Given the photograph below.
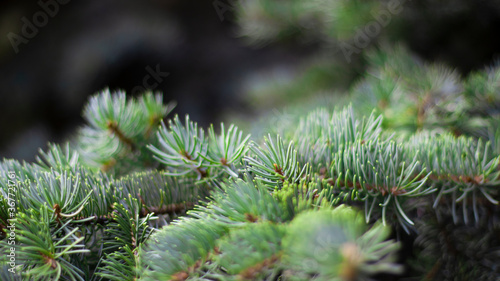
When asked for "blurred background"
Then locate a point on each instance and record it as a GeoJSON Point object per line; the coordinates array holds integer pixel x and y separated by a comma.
{"type": "Point", "coordinates": [215, 58]}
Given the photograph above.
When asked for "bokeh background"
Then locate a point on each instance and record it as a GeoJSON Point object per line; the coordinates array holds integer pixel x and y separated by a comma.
{"type": "Point", "coordinates": [206, 64]}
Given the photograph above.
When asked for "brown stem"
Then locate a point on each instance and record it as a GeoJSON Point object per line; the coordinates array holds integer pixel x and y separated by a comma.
{"type": "Point", "coordinates": [434, 270]}
{"type": "Point", "coordinates": [48, 260]}
{"type": "Point", "coordinates": [57, 212]}
{"type": "Point", "coordinates": [202, 173]}
{"type": "Point", "coordinates": [251, 217]}
{"type": "Point", "coordinates": [251, 272]}
{"type": "Point", "coordinates": [167, 209]}
{"type": "Point", "coordinates": [421, 110]}
{"type": "Point", "coordinates": [113, 128]}
{"type": "Point", "coordinates": [153, 123]}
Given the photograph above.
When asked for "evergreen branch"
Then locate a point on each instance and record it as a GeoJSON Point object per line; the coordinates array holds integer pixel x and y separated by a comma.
{"type": "Point", "coordinates": [102, 194]}
{"type": "Point", "coordinates": [178, 249]}
{"type": "Point", "coordinates": [380, 174]}
{"type": "Point", "coordinates": [43, 250]}
{"type": "Point", "coordinates": [161, 194]}
{"type": "Point", "coordinates": [239, 202]}
{"type": "Point", "coordinates": [14, 172]}
{"type": "Point", "coordinates": [472, 171]}
{"type": "Point", "coordinates": [77, 223]}
{"type": "Point", "coordinates": [119, 265]}
{"type": "Point", "coordinates": [58, 158]}
{"type": "Point", "coordinates": [250, 250]}
{"type": "Point", "coordinates": [119, 130]}
{"type": "Point", "coordinates": [60, 192]}
{"type": "Point", "coordinates": [275, 164]}
{"type": "Point", "coordinates": [226, 150]}
{"type": "Point", "coordinates": [181, 147]}
{"type": "Point", "coordinates": [128, 231]}
{"type": "Point", "coordinates": [127, 227]}
{"type": "Point", "coordinates": [320, 135]}
{"type": "Point", "coordinates": [333, 244]}
{"type": "Point", "coordinates": [112, 114]}
{"type": "Point", "coordinates": [481, 90]}
{"type": "Point", "coordinates": [154, 109]}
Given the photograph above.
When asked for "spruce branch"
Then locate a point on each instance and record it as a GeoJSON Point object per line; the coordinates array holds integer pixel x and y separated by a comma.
{"type": "Point", "coordinates": [181, 147]}
{"type": "Point", "coordinates": [119, 265]}
{"type": "Point", "coordinates": [275, 164]}
{"type": "Point", "coordinates": [119, 130]}
{"type": "Point", "coordinates": [58, 158]}
{"type": "Point", "coordinates": [335, 245]}
{"type": "Point", "coordinates": [102, 194]}
{"type": "Point", "coordinates": [179, 249]}
{"type": "Point", "coordinates": [380, 174]}
{"type": "Point", "coordinates": [249, 252]}
{"type": "Point", "coordinates": [154, 110]}
{"type": "Point", "coordinates": [43, 249]}
{"type": "Point", "coordinates": [322, 134]}
{"type": "Point", "coordinates": [14, 172]}
{"type": "Point", "coordinates": [242, 201]}
{"type": "Point", "coordinates": [63, 193]}
{"type": "Point", "coordinates": [127, 232]}
{"type": "Point", "coordinates": [127, 227]}
{"type": "Point", "coordinates": [164, 195]}
{"type": "Point", "coordinates": [231, 210]}
{"type": "Point", "coordinates": [226, 150]}
{"type": "Point", "coordinates": [461, 167]}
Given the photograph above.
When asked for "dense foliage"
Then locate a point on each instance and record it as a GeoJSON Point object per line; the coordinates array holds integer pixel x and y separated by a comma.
{"type": "Point", "coordinates": [398, 178]}
{"type": "Point", "coordinates": [402, 183]}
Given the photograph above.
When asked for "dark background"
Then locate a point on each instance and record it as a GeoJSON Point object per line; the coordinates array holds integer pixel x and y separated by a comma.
{"type": "Point", "coordinates": [89, 45]}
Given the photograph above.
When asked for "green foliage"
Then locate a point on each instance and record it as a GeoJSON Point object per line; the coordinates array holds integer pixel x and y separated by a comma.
{"type": "Point", "coordinates": [119, 265]}
{"type": "Point", "coordinates": [481, 89]}
{"type": "Point", "coordinates": [62, 193]}
{"type": "Point", "coordinates": [225, 151]}
{"type": "Point", "coordinates": [45, 244]}
{"type": "Point", "coordinates": [184, 149]}
{"type": "Point", "coordinates": [118, 131]}
{"type": "Point", "coordinates": [247, 250]}
{"type": "Point", "coordinates": [335, 245]}
{"type": "Point", "coordinates": [177, 249]}
{"type": "Point", "coordinates": [321, 134]}
{"type": "Point", "coordinates": [128, 232]}
{"type": "Point", "coordinates": [462, 167]}
{"type": "Point", "coordinates": [269, 20]}
{"type": "Point", "coordinates": [59, 158]}
{"type": "Point", "coordinates": [411, 163]}
{"type": "Point", "coordinates": [275, 164]}
{"type": "Point", "coordinates": [238, 202]}
{"type": "Point", "coordinates": [380, 175]}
